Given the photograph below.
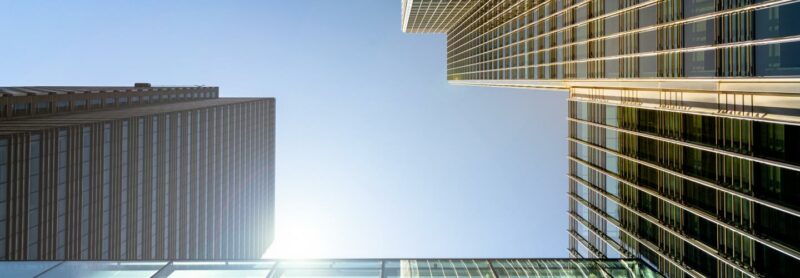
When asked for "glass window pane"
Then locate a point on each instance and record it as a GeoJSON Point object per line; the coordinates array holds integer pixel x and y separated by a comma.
{"type": "Point", "coordinates": [700, 63]}
{"type": "Point", "coordinates": [780, 21]}
{"type": "Point", "coordinates": [777, 59]}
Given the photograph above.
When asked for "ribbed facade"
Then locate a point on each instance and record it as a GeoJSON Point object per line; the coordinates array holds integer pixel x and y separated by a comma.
{"type": "Point", "coordinates": [684, 121]}
{"type": "Point", "coordinates": [169, 179]}
{"type": "Point", "coordinates": [692, 194]}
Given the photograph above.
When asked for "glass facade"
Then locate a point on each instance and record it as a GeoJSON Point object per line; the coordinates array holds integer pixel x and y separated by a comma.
{"type": "Point", "coordinates": [378, 268]}
{"type": "Point", "coordinates": [110, 184]}
{"type": "Point", "coordinates": [684, 119]}
{"type": "Point", "coordinates": [677, 175]}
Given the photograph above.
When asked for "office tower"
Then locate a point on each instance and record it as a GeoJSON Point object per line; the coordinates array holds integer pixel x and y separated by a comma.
{"type": "Point", "coordinates": [683, 118]}
{"type": "Point", "coordinates": [134, 173]}
{"type": "Point", "coordinates": [378, 268]}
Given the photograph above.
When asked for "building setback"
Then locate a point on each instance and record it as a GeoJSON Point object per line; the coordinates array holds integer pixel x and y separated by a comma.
{"type": "Point", "coordinates": [135, 173]}
{"type": "Point", "coordinates": [684, 119]}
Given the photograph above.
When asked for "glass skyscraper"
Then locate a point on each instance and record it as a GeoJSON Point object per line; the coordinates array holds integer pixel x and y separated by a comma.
{"type": "Point", "coordinates": [134, 173]}
{"type": "Point", "coordinates": [377, 268]}
{"type": "Point", "coordinates": [684, 119]}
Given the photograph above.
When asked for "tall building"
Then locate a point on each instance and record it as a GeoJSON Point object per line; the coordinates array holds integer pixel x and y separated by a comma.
{"type": "Point", "coordinates": [377, 268]}
{"type": "Point", "coordinates": [684, 119]}
{"type": "Point", "coordinates": [135, 173]}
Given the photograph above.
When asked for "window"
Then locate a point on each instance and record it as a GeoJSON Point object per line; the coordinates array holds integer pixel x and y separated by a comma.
{"type": "Point", "coordinates": [777, 59]}
{"type": "Point", "coordinates": [21, 109]}
{"type": "Point", "coordinates": [61, 193]}
{"type": "Point", "coordinates": [648, 16]}
{"type": "Point", "coordinates": [106, 187]}
{"type": "Point", "coordinates": [33, 195]}
{"type": "Point", "coordinates": [43, 107]}
{"type": "Point", "coordinates": [154, 185]}
{"type": "Point", "coordinates": [140, 142]}
{"type": "Point", "coordinates": [700, 63]}
{"type": "Point", "coordinates": [612, 209]}
{"type": "Point", "coordinates": [123, 222]}
{"type": "Point", "coordinates": [86, 151]}
{"type": "Point", "coordinates": [611, 24]}
{"type": "Point", "coordinates": [62, 106]}
{"type": "Point", "coordinates": [777, 184]}
{"type": "Point", "coordinates": [610, 6]}
{"type": "Point", "coordinates": [648, 66]}
{"type": "Point", "coordinates": [3, 197]}
{"type": "Point", "coordinates": [79, 104]}
{"type": "Point", "coordinates": [699, 33]}
{"type": "Point", "coordinates": [779, 21]}
{"type": "Point", "coordinates": [693, 8]}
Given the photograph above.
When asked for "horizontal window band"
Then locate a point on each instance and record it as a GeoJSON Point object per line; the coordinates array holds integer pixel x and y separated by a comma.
{"type": "Point", "coordinates": [769, 41]}
{"type": "Point", "coordinates": [693, 145]}
{"type": "Point", "coordinates": [618, 34]}
{"type": "Point", "coordinates": [766, 119]}
{"type": "Point", "coordinates": [635, 236]}
{"type": "Point", "coordinates": [693, 179]}
{"type": "Point", "coordinates": [766, 242]}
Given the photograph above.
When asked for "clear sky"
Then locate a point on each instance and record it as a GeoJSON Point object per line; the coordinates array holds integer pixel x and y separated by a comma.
{"type": "Point", "coordinates": [377, 156]}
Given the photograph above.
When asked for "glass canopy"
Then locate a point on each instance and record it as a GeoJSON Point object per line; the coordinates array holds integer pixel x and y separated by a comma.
{"type": "Point", "coordinates": [341, 268]}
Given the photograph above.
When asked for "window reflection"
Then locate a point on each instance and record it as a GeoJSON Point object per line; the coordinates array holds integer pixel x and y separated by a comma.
{"type": "Point", "coordinates": [777, 59]}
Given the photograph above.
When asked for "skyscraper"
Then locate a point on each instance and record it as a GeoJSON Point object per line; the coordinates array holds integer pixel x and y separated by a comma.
{"type": "Point", "coordinates": [684, 119]}
{"type": "Point", "coordinates": [134, 173]}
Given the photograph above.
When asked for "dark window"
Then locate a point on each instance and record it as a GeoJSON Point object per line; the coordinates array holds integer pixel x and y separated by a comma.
{"type": "Point", "coordinates": [699, 33]}
{"type": "Point", "coordinates": [80, 104]}
{"type": "Point", "coordinates": [33, 196]}
{"type": "Point", "coordinates": [701, 197]}
{"type": "Point", "coordinates": [777, 185]}
{"type": "Point", "coordinates": [43, 107]}
{"type": "Point", "coordinates": [62, 105]}
{"type": "Point", "coordinates": [772, 263]}
{"type": "Point", "coordinates": [780, 21]}
{"type": "Point", "coordinates": [21, 109]}
{"type": "Point", "coordinates": [770, 141]}
{"type": "Point", "coordinates": [700, 63]}
{"type": "Point", "coordinates": [777, 59]}
{"type": "Point", "coordinates": [699, 260]}
{"type": "Point", "coordinates": [700, 229]}
{"type": "Point", "coordinates": [3, 196]}
{"type": "Point", "coordinates": [693, 8]}
{"type": "Point", "coordinates": [777, 225]}
{"type": "Point", "coordinates": [699, 129]}
{"type": "Point", "coordinates": [700, 164]}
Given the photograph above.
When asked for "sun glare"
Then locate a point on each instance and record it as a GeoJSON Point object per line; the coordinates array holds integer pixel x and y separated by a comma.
{"type": "Point", "coordinates": [295, 240]}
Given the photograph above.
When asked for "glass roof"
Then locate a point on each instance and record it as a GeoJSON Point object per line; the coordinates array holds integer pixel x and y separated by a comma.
{"type": "Point", "coordinates": [342, 268]}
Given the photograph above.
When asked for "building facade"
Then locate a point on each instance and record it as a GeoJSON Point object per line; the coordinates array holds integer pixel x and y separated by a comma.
{"type": "Point", "coordinates": [684, 119]}
{"type": "Point", "coordinates": [377, 268]}
{"type": "Point", "coordinates": [134, 173]}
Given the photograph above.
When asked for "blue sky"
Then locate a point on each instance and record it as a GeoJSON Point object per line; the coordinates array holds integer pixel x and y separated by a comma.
{"type": "Point", "coordinates": [377, 156]}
